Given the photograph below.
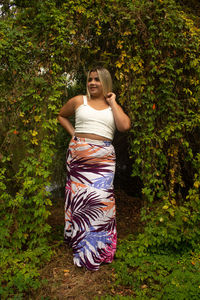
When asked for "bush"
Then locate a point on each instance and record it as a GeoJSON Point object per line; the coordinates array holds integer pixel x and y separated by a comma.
{"type": "Point", "coordinates": [152, 51]}
{"type": "Point", "coordinates": [158, 275]}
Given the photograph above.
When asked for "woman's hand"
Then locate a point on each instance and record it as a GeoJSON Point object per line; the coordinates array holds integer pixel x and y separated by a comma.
{"type": "Point", "coordinates": [111, 99]}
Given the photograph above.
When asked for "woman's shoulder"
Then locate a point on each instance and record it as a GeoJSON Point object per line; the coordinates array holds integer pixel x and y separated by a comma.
{"type": "Point", "coordinates": [77, 100]}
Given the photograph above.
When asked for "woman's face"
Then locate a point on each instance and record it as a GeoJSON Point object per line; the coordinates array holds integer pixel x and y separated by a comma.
{"type": "Point", "coordinates": [95, 87]}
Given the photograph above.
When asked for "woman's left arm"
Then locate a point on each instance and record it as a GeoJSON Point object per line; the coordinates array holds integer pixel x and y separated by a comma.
{"type": "Point", "coordinates": [122, 121]}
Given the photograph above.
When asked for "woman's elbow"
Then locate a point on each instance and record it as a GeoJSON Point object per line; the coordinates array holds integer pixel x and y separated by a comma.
{"type": "Point", "coordinates": [125, 126]}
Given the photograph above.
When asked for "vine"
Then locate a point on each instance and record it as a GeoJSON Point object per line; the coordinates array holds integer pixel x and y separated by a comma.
{"type": "Point", "coordinates": [152, 51]}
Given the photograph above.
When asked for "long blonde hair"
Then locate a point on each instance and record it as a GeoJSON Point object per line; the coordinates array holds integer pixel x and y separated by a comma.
{"type": "Point", "coordinates": [105, 79]}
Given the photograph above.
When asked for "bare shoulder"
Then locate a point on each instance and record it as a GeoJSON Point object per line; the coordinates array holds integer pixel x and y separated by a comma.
{"type": "Point", "coordinates": [77, 101]}
{"type": "Point", "coordinates": [71, 105]}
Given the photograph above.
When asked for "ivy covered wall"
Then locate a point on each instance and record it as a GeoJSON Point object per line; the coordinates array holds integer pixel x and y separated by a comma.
{"type": "Point", "coordinates": [152, 51]}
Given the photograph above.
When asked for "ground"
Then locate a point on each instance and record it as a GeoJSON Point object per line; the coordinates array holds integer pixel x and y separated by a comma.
{"type": "Point", "coordinates": [66, 281]}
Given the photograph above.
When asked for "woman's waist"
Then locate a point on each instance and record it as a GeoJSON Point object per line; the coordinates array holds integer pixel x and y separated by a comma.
{"type": "Point", "coordinates": [92, 136]}
{"type": "Point", "coordinates": [93, 140]}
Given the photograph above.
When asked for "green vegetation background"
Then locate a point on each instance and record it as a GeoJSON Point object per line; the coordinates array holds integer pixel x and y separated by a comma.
{"type": "Point", "coordinates": [152, 51]}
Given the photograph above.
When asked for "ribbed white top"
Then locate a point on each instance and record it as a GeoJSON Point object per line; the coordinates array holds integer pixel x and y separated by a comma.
{"type": "Point", "coordinates": [91, 120]}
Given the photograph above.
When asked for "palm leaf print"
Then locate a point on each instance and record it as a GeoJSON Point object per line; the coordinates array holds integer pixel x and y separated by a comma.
{"type": "Point", "coordinates": [84, 209]}
{"type": "Point", "coordinates": [83, 165]}
{"type": "Point", "coordinates": [90, 225]}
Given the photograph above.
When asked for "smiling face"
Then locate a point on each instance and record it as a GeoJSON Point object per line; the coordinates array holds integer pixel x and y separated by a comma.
{"type": "Point", "coordinates": [94, 85]}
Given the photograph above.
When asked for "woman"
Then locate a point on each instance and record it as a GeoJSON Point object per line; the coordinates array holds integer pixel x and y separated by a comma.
{"type": "Point", "coordinates": [90, 225]}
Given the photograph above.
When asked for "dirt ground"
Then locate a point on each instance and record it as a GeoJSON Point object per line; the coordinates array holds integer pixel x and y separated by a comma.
{"type": "Point", "coordinates": [66, 281]}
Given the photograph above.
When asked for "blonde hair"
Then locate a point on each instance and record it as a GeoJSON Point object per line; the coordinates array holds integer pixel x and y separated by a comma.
{"type": "Point", "coordinates": [105, 79]}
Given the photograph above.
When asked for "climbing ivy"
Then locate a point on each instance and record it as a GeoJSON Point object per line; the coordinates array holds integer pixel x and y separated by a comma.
{"type": "Point", "coordinates": [152, 51]}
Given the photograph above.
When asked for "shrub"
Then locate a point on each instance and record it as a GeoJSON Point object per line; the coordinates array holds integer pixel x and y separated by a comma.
{"type": "Point", "coordinates": [152, 51]}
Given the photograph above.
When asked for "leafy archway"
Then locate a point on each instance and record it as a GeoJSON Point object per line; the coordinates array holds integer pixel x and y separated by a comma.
{"type": "Point", "coordinates": [152, 51]}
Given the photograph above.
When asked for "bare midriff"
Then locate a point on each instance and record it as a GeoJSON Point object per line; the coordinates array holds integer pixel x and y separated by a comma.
{"type": "Point", "coordinates": [92, 136]}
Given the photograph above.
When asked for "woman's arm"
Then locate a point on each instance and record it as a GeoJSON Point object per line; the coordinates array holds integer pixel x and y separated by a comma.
{"type": "Point", "coordinates": [122, 121]}
{"type": "Point", "coordinates": [66, 111]}
{"type": "Point", "coordinates": [66, 124]}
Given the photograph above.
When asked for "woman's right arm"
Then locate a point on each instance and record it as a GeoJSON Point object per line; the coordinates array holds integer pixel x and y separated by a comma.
{"type": "Point", "coordinates": [66, 111]}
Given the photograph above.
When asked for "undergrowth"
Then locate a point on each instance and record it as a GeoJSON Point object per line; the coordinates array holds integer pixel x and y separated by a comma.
{"type": "Point", "coordinates": [161, 274]}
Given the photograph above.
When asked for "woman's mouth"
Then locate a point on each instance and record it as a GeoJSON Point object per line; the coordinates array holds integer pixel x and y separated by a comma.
{"type": "Point", "coordinates": [93, 88]}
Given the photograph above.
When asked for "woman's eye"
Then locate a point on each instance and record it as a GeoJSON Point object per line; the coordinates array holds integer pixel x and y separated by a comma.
{"type": "Point", "coordinates": [96, 79]}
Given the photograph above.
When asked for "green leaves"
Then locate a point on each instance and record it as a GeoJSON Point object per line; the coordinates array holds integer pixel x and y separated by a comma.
{"type": "Point", "coordinates": [152, 51]}
{"type": "Point", "coordinates": [152, 275]}
{"type": "Point", "coordinates": [29, 106]}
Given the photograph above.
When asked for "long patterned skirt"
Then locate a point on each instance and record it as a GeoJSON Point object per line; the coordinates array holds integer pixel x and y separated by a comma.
{"type": "Point", "coordinates": [90, 224]}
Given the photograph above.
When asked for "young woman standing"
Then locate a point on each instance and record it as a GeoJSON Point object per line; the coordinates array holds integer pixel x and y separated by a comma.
{"type": "Point", "coordinates": [90, 225]}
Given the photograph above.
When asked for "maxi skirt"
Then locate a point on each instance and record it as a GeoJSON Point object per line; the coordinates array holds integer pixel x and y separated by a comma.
{"type": "Point", "coordinates": [90, 224]}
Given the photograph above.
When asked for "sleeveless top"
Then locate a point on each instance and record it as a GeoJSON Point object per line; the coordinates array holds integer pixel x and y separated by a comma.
{"type": "Point", "coordinates": [91, 120]}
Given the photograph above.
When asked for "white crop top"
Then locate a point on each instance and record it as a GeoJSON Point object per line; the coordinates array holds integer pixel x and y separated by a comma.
{"type": "Point", "coordinates": [91, 120]}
